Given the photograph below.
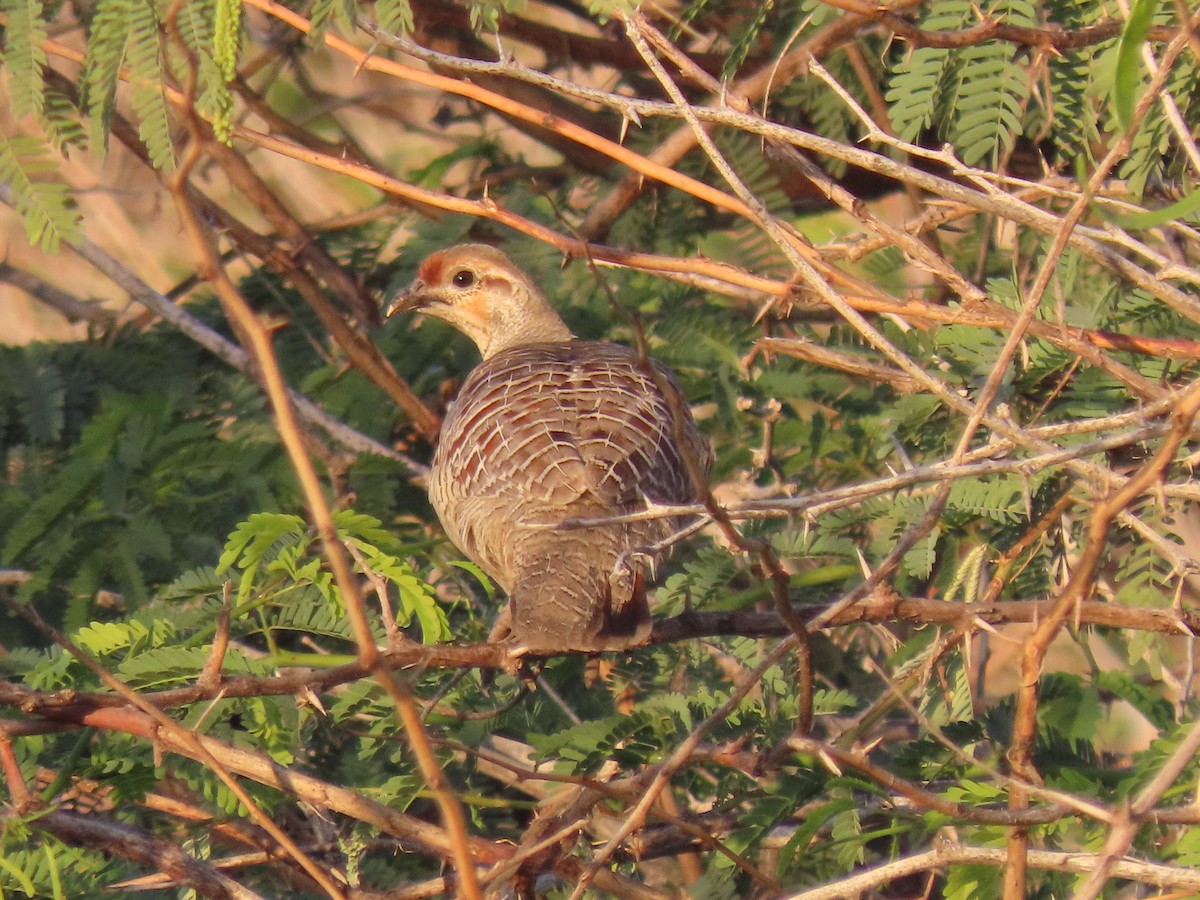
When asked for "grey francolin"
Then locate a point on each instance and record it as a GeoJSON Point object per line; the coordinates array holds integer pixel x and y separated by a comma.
{"type": "Point", "coordinates": [549, 428]}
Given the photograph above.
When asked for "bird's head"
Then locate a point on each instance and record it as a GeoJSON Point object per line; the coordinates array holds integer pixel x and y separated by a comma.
{"type": "Point", "coordinates": [482, 293]}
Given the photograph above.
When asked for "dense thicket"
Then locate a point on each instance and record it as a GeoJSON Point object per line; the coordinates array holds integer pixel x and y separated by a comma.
{"type": "Point", "coordinates": [928, 275]}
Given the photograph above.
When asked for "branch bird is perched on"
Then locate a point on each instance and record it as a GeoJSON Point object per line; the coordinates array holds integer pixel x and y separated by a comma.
{"type": "Point", "coordinates": [546, 429]}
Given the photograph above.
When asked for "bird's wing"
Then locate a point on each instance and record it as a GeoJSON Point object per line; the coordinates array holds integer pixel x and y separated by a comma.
{"type": "Point", "coordinates": [554, 431]}
{"type": "Point", "coordinates": [580, 425]}
{"type": "Point", "coordinates": [626, 431]}
{"type": "Point", "coordinates": [513, 431]}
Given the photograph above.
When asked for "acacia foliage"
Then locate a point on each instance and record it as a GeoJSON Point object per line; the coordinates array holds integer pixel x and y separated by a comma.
{"type": "Point", "coordinates": [932, 297]}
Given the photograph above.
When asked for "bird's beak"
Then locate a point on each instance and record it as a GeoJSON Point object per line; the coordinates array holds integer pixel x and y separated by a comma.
{"type": "Point", "coordinates": [411, 298]}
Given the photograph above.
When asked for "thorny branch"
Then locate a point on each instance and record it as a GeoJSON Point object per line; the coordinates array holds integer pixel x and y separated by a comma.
{"type": "Point", "coordinates": [821, 282]}
{"type": "Point", "coordinates": [258, 340]}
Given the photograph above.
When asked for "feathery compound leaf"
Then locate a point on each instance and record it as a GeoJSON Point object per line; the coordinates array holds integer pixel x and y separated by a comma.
{"type": "Point", "coordinates": [196, 24]}
{"type": "Point", "coordinates": [394, 15]}
{"type": "Point", "coordinates": [914, 89]}
{"type": "Point", "coordinates": [743, 39]}
{"type": "Point", "coordinates": [326, 12]}
{"type": "Point", "coordinates": [44, 206]}
{"type": "Point", "coordinates": [154, 125]}
{"type": "Point", "coordinates": [1071, 105]}
{"type": "Point", "coordinates": [24, 56]}
{"type": "Point", "coordinates": [1154, 155]}
{"type": "Point", "coordinates": [40, 396]}
{"type": "Point", "coordinates": [102, 66]}
{"type": "Point", "coordinates": [918, 83]}
{"type": "Point", "coordinates": [991, 92]}
{"type": "Point", "coordinates": [76, 479]}
{"type": "Point", "coordinates": [1073, 116]}
{"type": "Point", "coordinates": [103, 638]}
{"type": "Point", "coordinates": [252, 539]}
{"type": "Point", "coordinates": [919, 560]}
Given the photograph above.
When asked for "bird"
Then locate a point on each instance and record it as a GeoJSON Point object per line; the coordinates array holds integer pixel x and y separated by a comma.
{"type": "Point", "coordinates": [552, 444]}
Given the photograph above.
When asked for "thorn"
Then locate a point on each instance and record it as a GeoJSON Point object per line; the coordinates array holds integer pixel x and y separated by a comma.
{"type": "Point", "coordinates": [863, 564]}
{"type": "Point", "coordinates": [984, 625]}
{"type": "Point", "coordinates": [366, 57]}
{"type": "Point", "coordinates": [829, 762]}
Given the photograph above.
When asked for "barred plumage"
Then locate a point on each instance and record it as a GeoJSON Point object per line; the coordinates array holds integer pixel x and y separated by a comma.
{"type": "Point", "coordinates": [547, 429]}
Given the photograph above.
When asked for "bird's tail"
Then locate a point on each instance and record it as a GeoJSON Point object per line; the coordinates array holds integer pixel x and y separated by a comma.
{"type": "Point", "coordinates": [556, 609]}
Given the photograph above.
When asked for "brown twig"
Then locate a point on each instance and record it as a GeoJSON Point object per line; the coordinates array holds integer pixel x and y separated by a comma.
{"type": "Point", "coordinates": [1173, 877]}
{"type": "Point", "coordinates": [22, 798]}
{"type": "Point", "coordinates": [70, 306]}
{"type": "Point", "coordinates": [161, 727]}
{"type": "Point", "coordinates": [880, 607]}
{"type": "Point", "coordinates": [990, 29]}
{"type": "Point", "coordinates": [210, 675]}
{"type": "Point", "coordinates": [1025, 724]}
{"type": "Point", "coordinates": [140, 846]}
{"type": "Point", "coordinates": [1121, 833]}
{"type": "Point", "coordinates": [636, 28]}
{"type": "Point", "coordinates": [412, 831]}
{"type": "Point", "coordinates": [676, 760]}
{"type": "Point", "coordinates": [258, 340]}
{"type": "Point", "coordinates": [223, 349]}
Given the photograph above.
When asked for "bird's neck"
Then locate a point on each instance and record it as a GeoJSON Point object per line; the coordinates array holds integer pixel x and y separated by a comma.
{"type": "Point", "coordinates": [536, 323]}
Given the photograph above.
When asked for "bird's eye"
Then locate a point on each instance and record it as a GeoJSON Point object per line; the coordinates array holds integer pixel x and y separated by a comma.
{"type": "Point", "coordinates": [463, 278]}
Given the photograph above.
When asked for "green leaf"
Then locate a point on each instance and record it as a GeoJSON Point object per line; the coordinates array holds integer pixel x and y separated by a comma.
{"type": "Point", "coordinates": [1128, 79]}
{"type": "Point", "coordinates": [991, 90]}
{"type": "Point", "coordinates": [147, 76]}
{"type": "Point", "coordinates": [44, 205]}
{"type": "Point", "coordinates": [327, 12]}
{"type": "Point", "coordinates": [969, 882]}
{"type": "Point", "coordinates": [195, 20]}
{"type": "Point", "coordinates": [394, 15]}
{"type": "Point", "coordinates": [24, 56]}
{"type": "Point", "coordinates": [919, 560]}
{"type": "Point", "coordinates": [1144, 698]}
{"type": "Point", "coordinates": [62, 123]}
{"type": "Point", "coordinates": [350, 523]}
{"type": "Point", "coordinates": [203, 582]}
{"type": "Point", "coordinates": [107, 38]}
{"type": "Point", "coordinates": [467, 566]}
{"type": "Point", "coordinates": [1185, 206]}
{"type": "Point", "coordinates": [20, 877]}
{"type": "Point", "coordinates": [918, 85]}
{"type": "Point", "coordinates": [103, 638]}
{"type": "Point", "coordinates": [251, 540]}
{"type": "Point", "coordinates": [75, 481]}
